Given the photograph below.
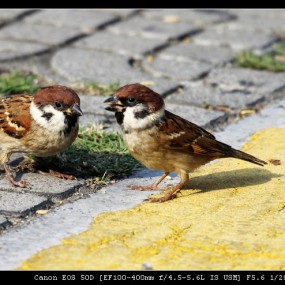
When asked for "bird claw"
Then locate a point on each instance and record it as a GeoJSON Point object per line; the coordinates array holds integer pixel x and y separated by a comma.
{"type": "Point", "coordinates": [162, 199]}
{"type": "Point", "coordinates": [159, 200]}
{"type": "Point", "coordinates": [22, 184]}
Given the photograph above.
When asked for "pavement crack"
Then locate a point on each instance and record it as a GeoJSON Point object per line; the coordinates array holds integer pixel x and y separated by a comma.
{"type": "Point", "coordinates": [21, 16]}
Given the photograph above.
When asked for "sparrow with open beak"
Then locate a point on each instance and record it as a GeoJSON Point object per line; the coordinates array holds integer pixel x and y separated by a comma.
{"type": "Point", "coordinates": [162, 140]}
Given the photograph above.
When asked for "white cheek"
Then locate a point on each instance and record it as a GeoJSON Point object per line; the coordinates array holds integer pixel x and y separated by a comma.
{"type": "Point", "coordinates": [54, 124]}
{"type": "Point", "coordinates": [131, 122]}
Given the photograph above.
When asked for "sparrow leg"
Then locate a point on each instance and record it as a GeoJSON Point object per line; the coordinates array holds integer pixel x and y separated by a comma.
{"type": "Point", "coordinates": [149, 187]}
{"type": "Point", "coordinates": [22, 184]}
{"type": "Point", "coordinates": [173, 190]}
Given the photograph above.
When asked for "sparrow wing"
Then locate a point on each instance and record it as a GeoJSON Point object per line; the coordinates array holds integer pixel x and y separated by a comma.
{"type": "Point", "coordinates": [15, 119]}
{"type": "Point", "coordinates": [182, 135]}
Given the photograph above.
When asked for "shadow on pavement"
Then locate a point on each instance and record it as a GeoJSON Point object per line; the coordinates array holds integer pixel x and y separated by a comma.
{"type": "Point", "coordinates": [231, 179]}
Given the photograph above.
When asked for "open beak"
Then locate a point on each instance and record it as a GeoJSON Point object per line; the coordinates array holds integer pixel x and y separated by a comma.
{"type": "Point", "coordinates": [75, 110]}
{"type": "Point", "coordinates": [115, 105]}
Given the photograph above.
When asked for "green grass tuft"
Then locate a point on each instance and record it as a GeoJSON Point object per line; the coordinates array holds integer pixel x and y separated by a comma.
{"type": "Point", "coordinates": [18, 82]}
{"type": "Point", "coordinates": [272, 61]}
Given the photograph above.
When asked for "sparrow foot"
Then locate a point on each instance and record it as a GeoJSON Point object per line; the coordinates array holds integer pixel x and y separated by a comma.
{"type": "Point", "coordinates": [22, 184]}
{"type": "Point", "coordinates": [165, 198]}
{"type": "Point", "coordinates": [171, 194]}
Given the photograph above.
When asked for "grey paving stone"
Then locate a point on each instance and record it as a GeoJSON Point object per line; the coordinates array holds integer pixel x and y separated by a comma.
{"type": "Point", "coordinates": [10, 49]}
{"type": "Point", "coordinates": [271, 20]}
{"type": "Point", "coordinates": [201, 18]}
{"type": "Point", "coordinates": [153, 29]}
{"type": "Point", "coordinates": [236, 134]}
{"type": "Point", "coordinates": [237, 39]}
{"type": "Point", "coordinates": [92, 104]}
{"type": "Point", "coordinates": [9, 14]}
{"type": "Point", "coordinates": [121, 44]}
{"type": "Point", "coordinates": [187, 50]}
{"type": "Point", "coordinates": [3, 221]}
{"type": "Point", "coordinates": [85, 20]}
{"type": "Point", "coordinates": [95, 113]}
{"type": "Point", "coordinates": [38, 33]}
{"type": "Point", "coordinates": [194, 114]}
{"type": "Point", "coordinates": [42, 184]}
{"type": "Point", "coordinates": [177, 70]}
{"type": "Point", "coordinates": [203, 95]}
{"type": "Point", "coordinates": [246, 80]}
{"type": "Point", "coordinates": [119, 12]}
{"type": "Point", "coordinates": [38, 65]}
{"type": "Point", "coordinates": [19, 203]}
{"type": "Point", "coordinates": [104, 68]}
{"type": "Point", "coordinates": [106, 122]}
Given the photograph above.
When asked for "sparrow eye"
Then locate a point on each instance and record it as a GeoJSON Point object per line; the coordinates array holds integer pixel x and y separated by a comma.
{"type": "Point", "coordinates": [132, 101]}
{"type": "Point", "coordinates": [58, 105]}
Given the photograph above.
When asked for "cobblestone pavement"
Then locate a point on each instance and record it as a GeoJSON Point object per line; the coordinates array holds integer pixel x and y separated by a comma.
{"type": "Point", "coordinates": [185, 55]}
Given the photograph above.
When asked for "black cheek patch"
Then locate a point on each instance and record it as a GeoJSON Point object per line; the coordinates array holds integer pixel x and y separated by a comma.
{"type": "Point", "coordinates": [141, 114]}
{"type": "Point", "coordinates": [119, 117]}
{"type": "Point", "coordinates": [47, 116]}
{"type": "Point", "coordinates": [70, 122]}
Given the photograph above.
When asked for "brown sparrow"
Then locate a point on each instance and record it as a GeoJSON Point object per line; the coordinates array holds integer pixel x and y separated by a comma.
{"type": "Point", "coordinates": [162, 140]}
{"type": "Point", "coordinates": [41, 124]}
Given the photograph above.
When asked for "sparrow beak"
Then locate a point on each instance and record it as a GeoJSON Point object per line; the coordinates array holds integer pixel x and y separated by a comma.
{"type": "Point", "coordinates": [75, 110]}
{"type": "Point", "coordinates": [115, 104]}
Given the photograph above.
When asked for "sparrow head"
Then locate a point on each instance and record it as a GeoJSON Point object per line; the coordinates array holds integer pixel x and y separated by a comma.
{"type": "Point", "coordinates": [135, 96]}
{"type": "Point", "coordinates": [61, 98]}
{"type": "Point", "coordinates": [136, 105]}
{"type": "Point", "coordinates": [56, 108]}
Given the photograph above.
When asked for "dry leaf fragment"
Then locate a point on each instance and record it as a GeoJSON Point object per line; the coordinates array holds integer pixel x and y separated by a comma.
{"type": "Point", "coordinates": [247, 112]}
{"type": "Point", "coordinates": [41, 212]}
{"type": "Point", "coordinates": [275, 161]}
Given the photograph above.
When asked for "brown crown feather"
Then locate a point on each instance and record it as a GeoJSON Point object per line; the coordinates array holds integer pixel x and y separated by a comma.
{"type": "Point", "coordinates": [143, 94]}
{"type": "Point", "coordinates": [49, 94]}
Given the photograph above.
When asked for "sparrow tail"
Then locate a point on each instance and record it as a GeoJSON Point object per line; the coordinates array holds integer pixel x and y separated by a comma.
{"type": "Point", "coordinates": [244, 156]}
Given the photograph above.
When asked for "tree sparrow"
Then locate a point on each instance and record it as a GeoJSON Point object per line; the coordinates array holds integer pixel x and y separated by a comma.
{"type": "Point", "coordinates": [162, 140]}
{"type": "Point", "coordinates": [42, 124]}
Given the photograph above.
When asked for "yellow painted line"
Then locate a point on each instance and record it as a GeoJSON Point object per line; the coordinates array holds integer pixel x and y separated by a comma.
{"type": "Point", "coordinates": [232, 216]}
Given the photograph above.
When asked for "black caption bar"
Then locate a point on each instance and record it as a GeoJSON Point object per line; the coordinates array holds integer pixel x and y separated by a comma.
{"type": "Point", "coordinates": [93, 277]}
